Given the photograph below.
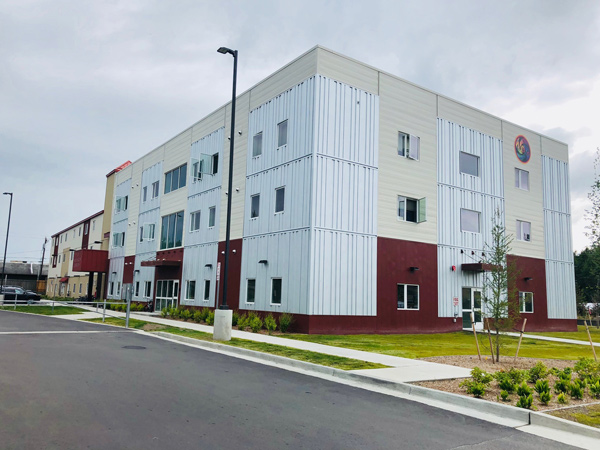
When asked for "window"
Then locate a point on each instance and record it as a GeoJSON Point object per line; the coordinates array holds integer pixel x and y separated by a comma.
{"type": "Point", "coordinates": [72, 255]}
{"type": "Point", "coordinates": [254, 206]}
{"type": "Point", "coordinates": [250, 290]}
{"type": "Point", "coordinates": [93, 225]}
{"type": "Point", "coordinates": [145, 193]}
{"type": "Point", "coordinates": [408, 296]}
{"type": "Point", "coordinates": [119, 239]}
{"type": "Point", "coordinates": [79, 231]}
{"type": "Point", "coordinates": [149, 231]}
{"type": "Point", "coordinates": [212, 212]}
{"type": "Point", "coordinates": [66, 236]}
{"type": "Point", "coordinates": [155, 189]}
{"type": "Point", "coordinates": [147, 289]}
{"type": "Point", "coordinates": [279, 199]}
{"type": "Point", "coordinates": [80, 286]}
{"type": "Point", "coordinates": [61, 238]}
{"type": "Point", "coordinates": [469, 220]}
{"type": "Point", "coordinates": [171, 233]}
{"type": "Point", "coordinates": [59, 259]}
{"type": "Point", "coordinates": [86, 228]}
{"type": "Point", "coordinates": [190, 290]}
{"type": "Point", "coordinates": [197, 170]}
{"type": "Point", "coordinates": [137, 288]}
{"type": "Point", "coordinates": [118, 288]}
{"type": "Point", "coordinates": [75, 233]}
{"type": "Point", "coordinates": [206, 289]}
{"type": "Point", "coordinates": [121, 203]}
{"type": "Point", "coordinates": [175, 178]}
{"type": "Point", "coordinates": [111, 289]}
{"type": "Point", "coordinates": [409, 146]}
{"type": "Point", "coordinates": [257, 144]}
{"type": "Point", "coordinates": [282, 133]}
{"type": "Point", "coordinates": [522, 179]}
{"type": "Point", "coordinates": [276, 291]}
{"type": "Point", "coordinates": [526, 302]}
{"type": "Point", "coordinates": [215, 163]}
{"type": "Point", "coordinates": [523, 231]}
{"type": "Point", "coordinates": [142, 233]}
{"type": "Point", "coordinates": [195, 221]}
{"type": "Point", "coordinates": [412, 210]}
{"type": "Point", "coordinates": [469, 164]}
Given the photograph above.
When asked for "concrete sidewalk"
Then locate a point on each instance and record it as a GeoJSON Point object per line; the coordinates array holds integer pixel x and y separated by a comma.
{"type": "Point", "coordinates": [401, 369]}
{"type": "Point", "coordinates": [554, 339]}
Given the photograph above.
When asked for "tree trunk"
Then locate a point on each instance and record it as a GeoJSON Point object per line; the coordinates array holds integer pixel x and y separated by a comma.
{"type": "Point", "coordinates": [497, 345]}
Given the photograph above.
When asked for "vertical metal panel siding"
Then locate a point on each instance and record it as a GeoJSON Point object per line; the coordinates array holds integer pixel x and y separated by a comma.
{"type": "Point", "coordinates": [555, 175]}
{"type": "Point", "coordinates": [295, 105]}
{"type": "Point", "coordinates": [558, 236]}
{"type": "Point", "coordinates": [287, 256]}
{"type": "Point", "coordinates": [203, 202]}
{"type": "Point", "coordinates": [144, 274]}
{"type": "Point", "coordinates": [119, 227]}
{"type": "Point", "coordinates": [450, 283]}
{"type": "Point", "coordinates": [453, 139]}
{"type": "Point", "coordinates": [296, 177]}
{"type": "Point", "coordinates": [149, 176]}
{"type": "Point", "coordinates": [208, 145]}
{"type": "Point", "coordinates": [195, 259]}
{"type": "Point", "coordinates": [346, 122]}
{"type": "Point", "coordinates": [148, 217]}
{"type": "Point", "coordinates": [115, 274]}
{"type": "Point", "coordinates": [344, 196]}
{"type": "Point", "coordinates": [344, 273]}
{"type": "Point", "coordinates": [560, 287]}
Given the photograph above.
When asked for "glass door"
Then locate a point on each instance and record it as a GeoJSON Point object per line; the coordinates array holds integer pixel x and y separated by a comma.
{"type": "Point", "coordinates": [471, 304]}
{"type": "Point", "coordinates": [167, 294]}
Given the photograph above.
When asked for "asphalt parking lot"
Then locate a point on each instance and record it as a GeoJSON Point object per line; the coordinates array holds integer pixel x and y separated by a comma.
{"type": "Point", "coordinates": [71, 385]}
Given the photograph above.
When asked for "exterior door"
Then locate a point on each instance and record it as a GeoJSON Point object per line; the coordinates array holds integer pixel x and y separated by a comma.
{"type": "Point", "coordinates": [167, 293]}
{"type": "Point", "coordinates": [471, 304]}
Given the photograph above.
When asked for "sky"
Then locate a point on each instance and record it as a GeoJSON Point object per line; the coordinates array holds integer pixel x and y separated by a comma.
{"type": "Point", "coordinates": [86, 86]}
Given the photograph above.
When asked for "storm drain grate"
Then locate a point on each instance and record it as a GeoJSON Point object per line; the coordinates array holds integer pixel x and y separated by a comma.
{"type": "Point", "coordinates": [134, 347]}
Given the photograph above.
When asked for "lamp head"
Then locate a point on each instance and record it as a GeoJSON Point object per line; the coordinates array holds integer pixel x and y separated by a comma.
{"type": "Point", "coordinates": [7, 193]}
{"type": "Point", "coordinates": [225, 50]}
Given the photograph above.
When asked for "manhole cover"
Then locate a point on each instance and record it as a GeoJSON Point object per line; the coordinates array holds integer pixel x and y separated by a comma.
{"type": "Point", "coordinates": [134, 347]}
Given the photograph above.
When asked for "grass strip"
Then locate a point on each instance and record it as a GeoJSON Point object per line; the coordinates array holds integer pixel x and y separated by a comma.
{"type": "Point", "coordinates": [586, 415]}
{"type": "Point", "coordinates": [444, 344]}
{"type": "Point", "coordinates": [43, 310]}
{"type": "Point", "coordinates": [322, 359]}
{"type": "Point", "coordinates": [579, 335]}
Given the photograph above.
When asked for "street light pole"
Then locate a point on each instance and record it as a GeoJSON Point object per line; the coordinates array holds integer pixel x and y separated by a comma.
{"type": "Point", "coordinates": [222, 325]}
{"type": "Point", "coordinates": [6, 244]}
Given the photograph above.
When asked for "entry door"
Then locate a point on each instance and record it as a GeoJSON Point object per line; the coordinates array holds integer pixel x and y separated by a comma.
{"type": "Point", "coordinates": [167, 293]}
{"type": "Point", "coordinates": [471, 303]}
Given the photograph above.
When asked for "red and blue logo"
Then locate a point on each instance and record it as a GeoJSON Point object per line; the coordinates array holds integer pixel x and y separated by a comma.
{"type": "Point", "coordinates": [522, 149]}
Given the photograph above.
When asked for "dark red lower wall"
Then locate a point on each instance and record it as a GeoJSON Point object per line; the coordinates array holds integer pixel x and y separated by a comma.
{"type": "Point", "coordinates": [169, 272]}
{"type": "Point", "coordinates": [128, 266]}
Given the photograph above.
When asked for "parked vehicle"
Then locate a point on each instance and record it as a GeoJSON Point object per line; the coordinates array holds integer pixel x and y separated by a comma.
{"type": "Point", "coordinates": [20, 295]}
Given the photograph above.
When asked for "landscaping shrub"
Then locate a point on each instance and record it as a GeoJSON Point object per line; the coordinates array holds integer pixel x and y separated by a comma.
{"type": "Point", "coordinates": [270, 323]}
{"type": "Point", "coordinates": [285, 320]}
{"type": "Point", "coordinates": [565, 374]}
{"type": "Point", "coordinates": [204, 314]}
{"type": "Point", "coordinates": [537, 372]}
{"type": "Point", "coordinates": [545, 397]}
{"type": "Point", "coordinates": [172, 312]}
{"type": "Point", "coordinates": [234, 318]}
{"type": "Point", "coordinates": [256, 324]}
{"type": "Point", "coordinates": [576, 391]}
{"type": "Point", "coordinates": [197, 317]}
{"type": "Point", "coordinates": [507, 385]}
{"type": "Point", "coordinates": [562, 398]}
{"type": "Point", "coordinates": [186, 314]}
{"type": "Point", "coordinates": [210, 319]}
{"type": "Point", "coordinates": [561, 386]}
{"type": "Point", "coordinates": [541, 386]}
{"type": "Point", "coordinates": [242, 322]}
{"type": "Point", "coordinates": [164, 312]}
{"type": "Point", "coordinates": [525, 401]}
{"type": "Point", "coordinates": [595, 389]}
{"type": "Point", "coordinates": [587, 369]}
{"type": "Point", "coordinates": [481, 376]}
{"type": "Point", "coordinates": [504, 395]}
{"type": "Point", "coordinates": [523, 390]}
{"type": "Point", "coordinates": [474, 388]}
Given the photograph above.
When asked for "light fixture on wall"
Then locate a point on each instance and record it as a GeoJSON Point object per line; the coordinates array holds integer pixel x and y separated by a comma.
{"type": "Point", "coordinates": [263, 261]}
{"type": "Point", "coordinates": [414, 269]}
{"type": "Point", "coordinates": [528, 278]}
{"type": "Point", "coordinates": [208, 266]}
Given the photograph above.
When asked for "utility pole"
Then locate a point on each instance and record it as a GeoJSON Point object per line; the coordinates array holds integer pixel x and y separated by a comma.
{"type": "Point", "coordinates": [42, 261]}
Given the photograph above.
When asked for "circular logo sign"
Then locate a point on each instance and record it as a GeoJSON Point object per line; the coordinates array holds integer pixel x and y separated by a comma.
{"type": "Point", "coordinates": [522, 149]}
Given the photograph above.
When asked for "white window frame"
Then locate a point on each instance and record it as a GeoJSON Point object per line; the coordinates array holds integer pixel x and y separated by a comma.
{"type": "Point", "coordinates": [522, 303]}
{"type": "Point", "coordinates": [206, 290]}
{"type": "Point", "coordinates": [470, 155]}
{"type": "Point", "coordinates": [144, 194]}
{"type": "Point", "coordinates": [195, 221]}
{"type": "Point", "coordinates": [155, 190]}
{"type": "Point", "coordinates": [188, 283]}
{"type": "Point", "coordinates": [405, 291]}
{"type": "Point", "coordinates": [420, 213]}
{"type": "Point", "coordinates": [478, 220]}
{"type": "Point", "coordinates": [280, 293]}
{"type": "Point", "coordinates": [521, 234]}
{"type": "Point", "coordinates": [248, 280]}
{"type": "Point", "coordinates": [519, 174]}
{"type": "Point", "coordinates": [282, 188]}
{"type": "Point", "coordinates": [279, 133]}
{"type": "Point", "coordinates": [252, 197]}
{"type": "Point", "coordinates": [212, 216]}
{"type": "Point", "coordinates": [257, 140]}
{"type": "Point", "coordinates": [409, 146]}
{"type": "Point", "coordinates": [121, 203]}
{"type": "Point", "coordinates": [147, 289]}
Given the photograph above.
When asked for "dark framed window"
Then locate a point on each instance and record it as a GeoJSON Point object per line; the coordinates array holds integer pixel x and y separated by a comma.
{"type": "Point", "coordinates": [190, 290]}
{"type": "Point", "coordinates": [250, 290]}
{"type": "Point", "coordinates": [279, 199]}
{"type": "Point", "coordinates": [254, 206]}
{"type": "Point", "coordinates": [206, 289]}
{"type": "Point", "coordinates": [171, 234]}
{"type": "Point", "coordinates": [282, 133]}
{"type": "Point", "coordinates": [175, 179]}
{"type": "Point", "coordinates": [276, 285]}
{"type": "Point", "coordinates": [212, 215]}
{"type": "Point", "coordinates": [257, 144]}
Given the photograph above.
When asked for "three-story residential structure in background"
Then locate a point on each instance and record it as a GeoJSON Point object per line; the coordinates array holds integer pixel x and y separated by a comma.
{"type": "Point", "coordinates": [361, 203]}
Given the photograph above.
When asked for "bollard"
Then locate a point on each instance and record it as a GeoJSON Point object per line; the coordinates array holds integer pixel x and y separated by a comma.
{"type": "Point", "coordinates": [104, 311]}
{"type": "Point", "coordinates": [127, 314]}
{"type": "Point", "coordinates": [52, 306]}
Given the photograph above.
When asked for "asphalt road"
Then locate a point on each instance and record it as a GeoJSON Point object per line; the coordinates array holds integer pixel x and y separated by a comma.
{"type": "Point", "coordinates": [123, 390]}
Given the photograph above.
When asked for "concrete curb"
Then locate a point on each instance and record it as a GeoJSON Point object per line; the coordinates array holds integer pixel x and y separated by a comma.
{"type": "Point", "coordinates": [556, 423]}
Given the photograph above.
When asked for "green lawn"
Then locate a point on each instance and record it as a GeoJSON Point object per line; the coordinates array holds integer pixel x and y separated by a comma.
{"type": "Point", "coordinates": [44, 310]}
{"type": "Point", "coordinates": [301, 355]}
{"type": "Point", "coordinates": [587, 415]}
{"type": "Point", "coordinates": [443, 344]}
{"type": "Point", "coordinates": [579, 335]}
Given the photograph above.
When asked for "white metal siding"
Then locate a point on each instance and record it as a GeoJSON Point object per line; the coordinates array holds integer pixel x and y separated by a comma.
{"type": "Point", "coordinates": [343, 274]}
{"type": "Point", "coordinates": [195, 261]}
{"type": "Point", "coordinates": [143, 274]}
{"type": "Point", "coordinates": [560, 288]}
{"type": "Point", "coordinates": [203, 202]}
{"type": "Point", "coordinates": [115, 274]}
{"type": "Point", "coordinates": [555, 176]}
{"type": "Point", "coordinates": [287, 256]}
{"type": "Point", "coordinates": [145, 219]}
{"type": "Point", "coordinates": [208, 145]}
{"type": "Point", "coordinates": [150, 175]}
